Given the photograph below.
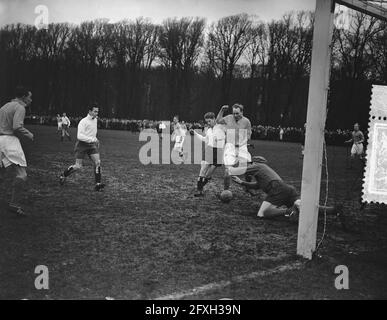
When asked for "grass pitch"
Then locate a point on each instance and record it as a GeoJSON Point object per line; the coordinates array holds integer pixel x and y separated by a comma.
{"type": "Point", "coordinates": [146, 236]}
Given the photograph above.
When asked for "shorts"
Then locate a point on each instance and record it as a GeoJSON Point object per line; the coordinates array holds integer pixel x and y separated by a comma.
{"type": "Point", "coordinates": [83, 148]}
{"type": "Point", "coordinates": [233, 154]}
{"type": "Point", "coordinates": [179, 142]}
{"type": "Point", "coordinates": [60, 126]}
{"type": "Point", "coordinates": [357, 149]}
{"type": "Point", "coordinates": [11, 152]}
{"type": "Point", "coordinates": [64, 126]}
{"type": "Point", "coordinates": [281, 194]}
{"type": "Point", "coordinates": [213, 156]}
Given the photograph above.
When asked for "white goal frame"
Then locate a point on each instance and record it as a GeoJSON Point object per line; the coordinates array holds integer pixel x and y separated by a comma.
{"type": "Point", "coordinates": [316, 115]}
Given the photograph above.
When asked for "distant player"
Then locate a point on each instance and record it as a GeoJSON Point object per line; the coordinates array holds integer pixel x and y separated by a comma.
{"type": "Point", "coordinates": [357, 146]}
{"type": "Point", "coordinates": [65, 125]}
{"type": "Point", "coordinates": [213, 156]}
{"type": "Point", "coordinates": [238, 132]}
{"type": "Point", "coordinates": [87, 144]}
{"type": "Point", "coordinates": [281, 134]}
{"type": "Point", "coordinates": [160, 129]}
{"type": "Point", "coordinates": [59, 122]}
{"type": "Point", "coordinates": [11, 153]}
{"type": "Point", "coordinates": [281, 198]}
{"type": "Point", "coordinates": [178, 136]}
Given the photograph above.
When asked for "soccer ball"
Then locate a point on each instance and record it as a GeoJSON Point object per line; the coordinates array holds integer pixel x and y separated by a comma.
{"type": "Point", "coordinates": [226, 196]}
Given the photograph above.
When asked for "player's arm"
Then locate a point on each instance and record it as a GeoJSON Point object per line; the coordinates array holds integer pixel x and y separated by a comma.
{"type": "Point", "coordinates": [173, 136]}
{"type": "Point", "coordinates": [18, 124]}
{"type": "Point", "coordinates": [220, 119]}
{"type": "Point", "coordinates": [362, 138]}
{"type": "Point", "coordinates": [197, 135]}
{"type": "Point", "coordinates": [248, 130]}
{"type": "Point", "coordinates": [82, 136]}
{"type": "Point", "coordinates": [249, 185]}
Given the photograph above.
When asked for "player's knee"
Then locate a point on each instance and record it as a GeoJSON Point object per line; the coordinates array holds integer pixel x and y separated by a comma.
{"type": "Point", "coordinates": [262, 213]}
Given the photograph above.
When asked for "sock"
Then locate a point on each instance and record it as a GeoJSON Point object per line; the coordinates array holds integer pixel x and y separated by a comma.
{"type": "Point", "coordinates": [97, 175]}
{"type": "Point", "coordinates": [200, 184]}
{"type": "Point", "coordinates": [68, 171]}
{"type": "Point", "coordinates": [206, 180]}
{"type": "Point", "coordinates": [227, 182]}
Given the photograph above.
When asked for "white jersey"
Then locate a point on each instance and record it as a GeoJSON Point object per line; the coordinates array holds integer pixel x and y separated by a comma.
{"type": "Point", "coordinates": [66, 121]}
{"type": "Point", "coordinates": [215, 137]}
{"type": "Point", "coordinates": [87, 130]}
{"type": "Point", "coordinates": [179, 132]}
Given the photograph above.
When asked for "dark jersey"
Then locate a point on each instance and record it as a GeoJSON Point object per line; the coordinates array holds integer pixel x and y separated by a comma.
{"type": "Point", "coordinates": [263, 174]}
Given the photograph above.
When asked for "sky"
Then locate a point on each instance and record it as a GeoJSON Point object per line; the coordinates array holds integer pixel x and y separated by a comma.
{"type": "Point", "coordinates": [77, 11]}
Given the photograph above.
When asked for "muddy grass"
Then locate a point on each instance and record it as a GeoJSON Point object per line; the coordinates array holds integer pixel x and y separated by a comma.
{"type": "Point", "coordinates": [146, 236]}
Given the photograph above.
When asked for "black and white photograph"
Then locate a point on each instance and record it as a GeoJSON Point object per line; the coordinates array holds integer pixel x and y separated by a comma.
{"type": "Point", "coordinates": [216, 151]}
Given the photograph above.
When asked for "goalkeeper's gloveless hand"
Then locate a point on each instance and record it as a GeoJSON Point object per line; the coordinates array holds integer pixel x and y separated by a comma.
{"type": "Point", "coordinates": [236, 179]}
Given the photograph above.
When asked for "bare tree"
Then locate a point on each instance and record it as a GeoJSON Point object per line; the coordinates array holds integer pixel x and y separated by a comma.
{"type": "Point", "coordinates": [227, 40]}
{"type": "Point", "coordinates": [181, 41]}
{"type": "Point", "coordinates": [152, 48]}
{"type": "Point", "coordinates": [379, 53]}
{"type": "Point", "coordinates": [289, 58]}
{"type": "Point", "coordinates": [353, 46]}
{"type": "Point", "coordinates": [256, 52]}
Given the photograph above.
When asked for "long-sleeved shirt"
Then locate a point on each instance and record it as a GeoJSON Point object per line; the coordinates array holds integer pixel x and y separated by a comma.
{"type": "Point", "coordinates": [12, 119]}
{"type": "Point", "coordinates": [87, 130]}
{"type": "Point", "coordinates": [263, 174]}
{"type": "Point", "coordinates": [215, 137]}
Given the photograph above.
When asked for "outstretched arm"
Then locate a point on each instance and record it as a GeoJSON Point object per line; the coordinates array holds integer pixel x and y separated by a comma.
{"type": "Point", "coordinates": [197, 135]}
{"type": "Point", "coordinates": [220, 118]}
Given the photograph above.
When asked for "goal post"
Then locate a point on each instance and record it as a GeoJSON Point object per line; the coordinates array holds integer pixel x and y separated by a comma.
{"type": "Point", "coordinates": [316, 114]}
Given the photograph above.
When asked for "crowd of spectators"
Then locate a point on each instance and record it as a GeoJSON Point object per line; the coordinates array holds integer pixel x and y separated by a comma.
{"type": "Point", "coordinates": [259, 132]}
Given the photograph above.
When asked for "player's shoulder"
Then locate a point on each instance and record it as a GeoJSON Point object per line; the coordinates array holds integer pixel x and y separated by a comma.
{"type": "Point", "coordinates": [247, 120]}
{"type": "Point", "coordinates": [17, 108]}
{"type": "Point", "coordinates": [15, 104]}
{"type": "Point", "coordinates": [83, 120]}
{"type": "Point", "coordinates": [219, 126]}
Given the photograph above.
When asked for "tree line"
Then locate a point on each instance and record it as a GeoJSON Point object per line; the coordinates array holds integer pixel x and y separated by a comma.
{"type": "Point", "coordinates": [139, 69]}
